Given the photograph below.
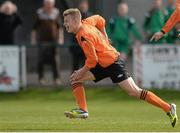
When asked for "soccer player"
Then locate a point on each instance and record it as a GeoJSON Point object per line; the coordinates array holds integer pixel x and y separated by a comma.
{"type": "Point", "coordinates": [172, 21]}
{"type": "Point", "coordinates": [102, 60]}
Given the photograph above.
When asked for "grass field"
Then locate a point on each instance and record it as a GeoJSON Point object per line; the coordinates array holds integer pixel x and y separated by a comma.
{"type": "Point", "coordinates": [110, 110]}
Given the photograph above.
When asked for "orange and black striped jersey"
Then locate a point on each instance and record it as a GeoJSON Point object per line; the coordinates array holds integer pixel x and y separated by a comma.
{"type": "Point", "coordinates": [174, 19]}
{"type": "Point", "coordinates": [95, 44]}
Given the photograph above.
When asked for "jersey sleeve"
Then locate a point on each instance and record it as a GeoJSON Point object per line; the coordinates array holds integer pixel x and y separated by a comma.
{"type": "Point", "coordinates": [172, 21]}
{"type": "Point", "coordinates": [97, 21]}
{"type": "Point", "coordinates": [90, 53]}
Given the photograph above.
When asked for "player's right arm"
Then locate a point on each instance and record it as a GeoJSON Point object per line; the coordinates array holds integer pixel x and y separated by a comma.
{"type": "Point", "coordinates": [89, 50]}
{"type": "Point", "coordinates": [90, 53]}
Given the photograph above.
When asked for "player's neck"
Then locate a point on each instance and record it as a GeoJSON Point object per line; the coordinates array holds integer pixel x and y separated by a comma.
{"type": "Point", "coordinates": [78, 28]}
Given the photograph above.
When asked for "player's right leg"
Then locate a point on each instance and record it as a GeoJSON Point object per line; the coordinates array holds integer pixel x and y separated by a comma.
{"type": "Point", "coordinates": [96, 74]}
{"type": "Point", "coordinates": [132, 89]}
{"type": "Point", "coordinates": [79, 94]}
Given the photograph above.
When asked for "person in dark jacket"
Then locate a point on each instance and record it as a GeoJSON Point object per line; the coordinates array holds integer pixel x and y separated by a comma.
{"type": "Point", "coordinates": [9, 21]}
{"type": "Point", "coordinates": [47, 33]}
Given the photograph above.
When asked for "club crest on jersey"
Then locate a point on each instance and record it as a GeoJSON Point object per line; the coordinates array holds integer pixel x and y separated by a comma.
{"type": "Point", "coordinates": [82, 39]}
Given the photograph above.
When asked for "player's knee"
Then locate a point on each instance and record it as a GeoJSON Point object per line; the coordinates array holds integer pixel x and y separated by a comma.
{"type": "Point", "coordinates": [74, 85]}
{"type": "Point", "coordinates": [134, 92]}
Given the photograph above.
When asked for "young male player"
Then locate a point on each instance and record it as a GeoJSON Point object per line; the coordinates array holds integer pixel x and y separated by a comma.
{"type": "Point", "coordinates": [172, 21]}
{"type": "Point", "coordinates": [102, 61]}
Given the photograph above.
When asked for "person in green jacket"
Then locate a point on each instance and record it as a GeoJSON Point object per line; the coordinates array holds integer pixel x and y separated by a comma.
{"type": "Point", "coordinates": [172, 35]}
{"type": "Point", "coordinates": [154, 20]}
{"type": "Point", "coordinates": [119, 29]}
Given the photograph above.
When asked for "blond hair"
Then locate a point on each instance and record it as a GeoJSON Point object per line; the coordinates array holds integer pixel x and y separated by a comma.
{"type": "Point", "coordinates": [74, 12]}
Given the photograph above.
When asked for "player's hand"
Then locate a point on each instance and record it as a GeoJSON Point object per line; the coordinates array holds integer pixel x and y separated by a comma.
{"type": "Point", "coordinates": [157, 36]}
{"type": "Point", "coordinates": [77, 75]}
{"type": "Point", "coordinates": [72, 76]}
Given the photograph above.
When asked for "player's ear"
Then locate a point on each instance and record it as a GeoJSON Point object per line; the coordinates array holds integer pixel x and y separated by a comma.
{"type": "Point", "coordinates": [76, 20]}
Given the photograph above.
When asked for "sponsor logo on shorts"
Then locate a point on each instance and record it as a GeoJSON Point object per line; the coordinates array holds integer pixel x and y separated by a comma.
{"type": "Point", "coordinates": [120, 75]}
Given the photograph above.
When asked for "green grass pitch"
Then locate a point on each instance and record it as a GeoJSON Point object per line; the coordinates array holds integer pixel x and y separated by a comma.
{"type": "Point", "coordinates": [110, 110]}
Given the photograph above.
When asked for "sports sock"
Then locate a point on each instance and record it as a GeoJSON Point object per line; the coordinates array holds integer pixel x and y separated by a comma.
{"type": "Point", "coordinates": [154, 100]}
{"type": "Point", "coordinates": [79, 94]}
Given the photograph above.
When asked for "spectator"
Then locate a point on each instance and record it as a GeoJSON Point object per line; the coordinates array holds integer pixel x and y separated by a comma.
{"type": "Point", "coordinates": [154, 20]}
{"type": "Point", "coordinates": [47, 32]}
{"type": "Point", "coordinates": [84, 9]}
{"type": "Point", "coordinates": [119, 29]}
{"type": "Point", "coordinates": [78, 57]}
{"type": "Point", "coordinates": [9, 21]}
{"type": "Point", "coordinates": [172, 35]}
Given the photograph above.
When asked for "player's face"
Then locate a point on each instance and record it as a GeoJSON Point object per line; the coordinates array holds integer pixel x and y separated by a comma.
{"type": "Point", "coordinates": [70, 24]}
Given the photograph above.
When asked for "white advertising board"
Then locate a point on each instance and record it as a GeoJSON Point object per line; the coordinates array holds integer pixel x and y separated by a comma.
{"type": "Point", "coordinates": [157, 66]}
{"type": "Point", "coordinates": [9, 69]}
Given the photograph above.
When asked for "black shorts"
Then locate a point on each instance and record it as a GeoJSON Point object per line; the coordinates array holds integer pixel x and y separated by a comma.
{"type": "Point", "coordinates": [117, 72]}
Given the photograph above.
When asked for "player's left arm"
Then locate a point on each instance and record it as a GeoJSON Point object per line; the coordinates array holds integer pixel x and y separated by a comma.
{"type": "Point", "coordinates": [103, 31]}
{"type": "Point", "coordinates": [101, 25]}
{"type": "Point", "coordinates": [97, 21]}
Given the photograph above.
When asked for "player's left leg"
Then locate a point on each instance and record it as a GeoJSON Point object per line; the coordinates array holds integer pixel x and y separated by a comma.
{"type": "Point", "coordinates": [132, 89]}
